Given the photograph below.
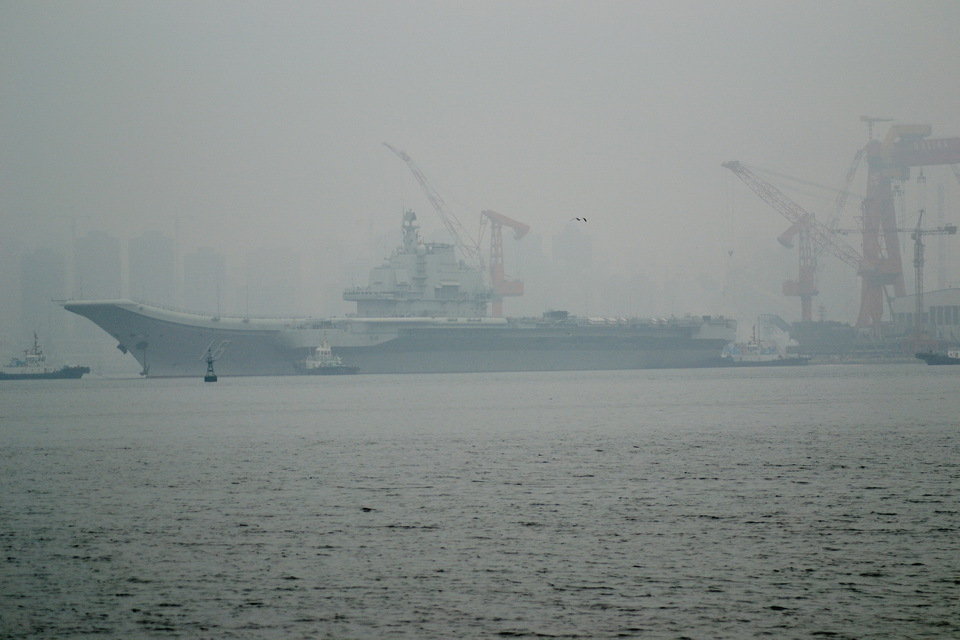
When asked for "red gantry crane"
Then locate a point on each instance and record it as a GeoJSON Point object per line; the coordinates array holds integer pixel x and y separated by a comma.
{"type": "Point", "coordinates": [501, 286]}
{"type": "Point", "coordinates": [916, 234]}
{"type": "Point", "coordinates": [906, 146]}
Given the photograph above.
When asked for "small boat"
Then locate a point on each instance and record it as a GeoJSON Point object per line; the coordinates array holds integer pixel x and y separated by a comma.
{"type": "Point", "coordinates": [33, 366]}
{"type": "Point", "coordinates": [951, 356]}
{"type": "Point", "coordinates": [323, 362]}
{"type": "Point", "coordinates": [757, 353]}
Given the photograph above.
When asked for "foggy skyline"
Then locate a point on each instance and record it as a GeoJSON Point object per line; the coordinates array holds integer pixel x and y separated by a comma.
{"type": "Point", "coordinates": [246, 127]}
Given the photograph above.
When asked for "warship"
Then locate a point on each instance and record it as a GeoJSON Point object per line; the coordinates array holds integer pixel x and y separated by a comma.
{"type": "Point", "coordinates": [422, 311]}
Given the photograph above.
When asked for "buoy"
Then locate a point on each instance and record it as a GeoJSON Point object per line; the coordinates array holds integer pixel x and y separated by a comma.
{"type": "Point", "coordinates": [213, 352]}
{"type": "Point", "coordinates": [210, 376]}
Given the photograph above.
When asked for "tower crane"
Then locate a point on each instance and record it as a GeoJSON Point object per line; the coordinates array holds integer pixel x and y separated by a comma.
{"type": "Point", "coordinates": [813, 237]}
{"type": "Point", "coordinates": [501, 286]}
{"type": "Point", "coordinates": [917, 236]}
{"type": "Point", "coordinates": [469, 248]}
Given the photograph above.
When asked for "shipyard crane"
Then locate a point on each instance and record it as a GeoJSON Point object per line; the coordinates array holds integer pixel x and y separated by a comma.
{"type": "Point", "coordinates": [841, 199]}
{"type": "Point", "coordinates": [917, 237]}
{"type": "Point", "coordinates": [813, 237]}
{"type": "Point", "coordinates": [871, 120]}
{"type": "Point", "coordinates": [905, 146]}
{"type": "Point", "coordinates": [469, 248]}
{"type": "Point", "coordinates": [805, 286]}
{"type": "Point", "coordinates": [501, 286]}
{"type": "Point", "coordinates": [916, 234]}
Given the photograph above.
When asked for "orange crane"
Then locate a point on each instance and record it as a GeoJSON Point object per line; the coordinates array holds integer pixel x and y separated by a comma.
{"type": "Point", "coordinates": [841, 199]}
{"type": "Point", "coordinates": [916, 234]}
{"type": "Point", "coordinates": [905, 146]}
{"type": "Point", "coordinates": [813, 237]}
{"type": "Point", "coordinates": [501, 286]}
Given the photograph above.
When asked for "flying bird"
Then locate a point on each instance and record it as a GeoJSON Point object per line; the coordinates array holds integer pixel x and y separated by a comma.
{"type": "Point", "coordinates": [578, 219]}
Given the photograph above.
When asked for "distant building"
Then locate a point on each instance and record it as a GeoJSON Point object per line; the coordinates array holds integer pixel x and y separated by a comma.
{"type": "Point", "coordinates": [97, 269]}
{"type": "Point", "coordinates": [152, 266]}
{"type": "Point", "coordinates": [204, 281]}
{"type": "Point", "coordinates": [941, 314]}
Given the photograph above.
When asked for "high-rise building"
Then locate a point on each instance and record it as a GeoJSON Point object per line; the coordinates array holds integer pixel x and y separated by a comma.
{"type": "Point", "coordinates": [97, 270]}
{"type": "Point", "coordinates": [152, 268]}
{"type": "Point", "coordinates": [204, 281]}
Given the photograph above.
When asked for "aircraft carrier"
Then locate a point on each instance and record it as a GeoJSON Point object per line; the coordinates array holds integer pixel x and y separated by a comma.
{"type": "Point", "coordinates": [423, 311]}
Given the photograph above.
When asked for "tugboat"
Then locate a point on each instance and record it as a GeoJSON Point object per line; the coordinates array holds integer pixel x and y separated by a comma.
{"type": "Point", "coordinates": [952, 356]}
{"type": "Point", "coordinates": [324, 363]}
{"type": "Point", "coordinates": [33, 366]}
{"type": "Point", "coordinates": [757, 353]}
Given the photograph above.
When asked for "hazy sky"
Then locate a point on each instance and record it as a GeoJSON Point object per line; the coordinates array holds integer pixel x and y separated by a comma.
{"type": "Point", "coordinates": [261, 123]}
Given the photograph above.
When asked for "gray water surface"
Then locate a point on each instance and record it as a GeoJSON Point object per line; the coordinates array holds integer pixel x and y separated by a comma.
{"type": "Point", "coordinates": [819, 501]}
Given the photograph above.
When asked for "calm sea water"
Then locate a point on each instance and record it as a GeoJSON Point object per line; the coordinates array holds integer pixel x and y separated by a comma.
{"type": "Point", "coordinates": [819, 501]}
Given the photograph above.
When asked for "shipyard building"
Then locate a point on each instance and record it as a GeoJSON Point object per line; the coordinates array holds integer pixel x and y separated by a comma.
{"type": "Point", "coordinates": [941, 314]}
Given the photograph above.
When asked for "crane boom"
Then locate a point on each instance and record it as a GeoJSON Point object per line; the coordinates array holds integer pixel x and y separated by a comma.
{"type": "Point", "coordinates": [841, 200]}
{"type": "Point", "coordinates": [501, 286]}
{"type": "Point", "coordinates": [467, 245]}
{"type": "Point", "coordinates": [820, 235]}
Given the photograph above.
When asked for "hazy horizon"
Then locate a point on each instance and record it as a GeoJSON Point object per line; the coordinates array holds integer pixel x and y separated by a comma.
{"type": "Point", "coordinates": [258, 127]}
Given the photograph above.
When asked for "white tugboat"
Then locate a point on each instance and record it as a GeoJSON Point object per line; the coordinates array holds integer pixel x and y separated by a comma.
{"type": "Point", "coordinates": [33, 366]}
{"type": "Point", "coordinates": [758, 353]}
{"type": "Point", "coordinates": [322, 362]}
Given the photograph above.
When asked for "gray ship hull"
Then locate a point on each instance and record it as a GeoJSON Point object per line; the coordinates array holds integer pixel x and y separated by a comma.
{"type": "Point", "coordinates": [531, 349]}
{"type": "Point", "coordinates": [172, 344]}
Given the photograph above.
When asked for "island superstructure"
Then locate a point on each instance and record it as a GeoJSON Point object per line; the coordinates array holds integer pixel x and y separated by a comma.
{"type": "Point", "coordinates": [422, 311]}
